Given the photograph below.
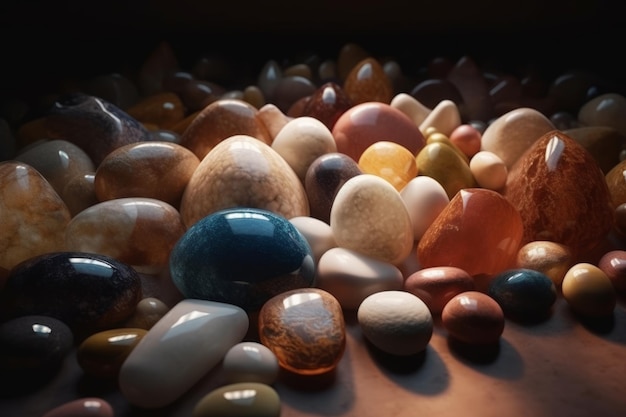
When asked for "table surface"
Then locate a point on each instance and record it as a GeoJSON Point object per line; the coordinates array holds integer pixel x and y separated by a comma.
{"type": "Point", "coordinates": [562, 366]}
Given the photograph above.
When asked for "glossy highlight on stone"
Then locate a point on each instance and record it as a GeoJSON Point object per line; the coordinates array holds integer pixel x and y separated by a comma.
{"type": "Point", "coordinates": [473, 317]}
{"type": "Point", "coordinates": [242, 256]}
{"type": "Point", "coordinates": [523, 294]}
{"type": "Point", "coordinates": [589, 291]}
{"type": "Point", "coordinates": [479, 231]}
{"type": "Point", "coordinates": [82, 407]}
{"type": "Point", "coordinates": [367, 82]}
{"type": "Point", "coordinates": [101, 355]}
{"type": "Point", "coordinates": [189, 341]}
{"type": "Point", "coordinates": [550, 258]}
{"type": "Point", "coordinates": [250, 362]}
{"type": "Point", "coordinates": [437, 285]}
{"type": "Point", "coordinates": [390, 161]}
{"type": "Point", "coordinates": [244, 399]}
{"type": "Point", "coordinates": [561, 194]}
{"type": "Point", "coordinates": [87, 291]}
{"type": "Point", "coordinates": [305, 329]}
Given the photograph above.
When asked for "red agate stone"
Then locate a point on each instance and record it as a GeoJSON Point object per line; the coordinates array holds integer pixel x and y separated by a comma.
{"type": "Point", "coordinates": [561, 194]}
{"type": "Point", "coordinates": [479, 231]}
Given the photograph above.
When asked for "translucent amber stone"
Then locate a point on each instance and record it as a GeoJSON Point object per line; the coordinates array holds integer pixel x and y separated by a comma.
{"type": "Point", "coordinates": [479, 231]}
{"type": "Point", "coordinates": [159, 170]}
{"type": "Point", "coordinates": [561, 194]}
{"type": "Point", "coordinates": [390, 161]}
{"type": "Point", "coordinates": [33, 215]}
{"type": "Point", "coordinates": [367, 81]}
{"type": "Point", "coordinates": [305, 329]}
{"type": "Point", "coordinates": [220, 120]}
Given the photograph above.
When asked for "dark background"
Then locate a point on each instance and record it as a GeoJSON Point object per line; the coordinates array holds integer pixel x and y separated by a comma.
{"type": "Point", "coordinates": [42, 42]}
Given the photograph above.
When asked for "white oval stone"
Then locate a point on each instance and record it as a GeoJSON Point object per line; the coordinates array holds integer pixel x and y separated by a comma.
{"type": "Point", "coordinates": [410, 106]}
{"type": "Point", "coordinates": [351, 276]}
{"type": "Point", "coordinates": [445, 117]}
{"type": "Point", "coordinates": [180, 349]}
{"type": "Point", "coordinates": [369, 216]}
{"type": "Point", "coordinates": [489, 170]}
{"type": "Point", "coordinates": [396, 322]}
{"type": "Point", "coordinates": [318, 234]}
{"type": "Point", "coordinates": [424, 198]}
{"type": "Point", "coordinates": [250, 362]}
{"type": "Point", "coordinates": [301, 141]}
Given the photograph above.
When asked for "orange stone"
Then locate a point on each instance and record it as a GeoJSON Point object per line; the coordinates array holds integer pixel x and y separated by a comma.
{"type": "Point", "coordinates": [479, 231]}
{"type": "Point", "coordinates": [367, 81]}
{"type": "Point", "coordinates": [561, 194]}
{"type": "Point", "coordinates": [220, 120]}
{"type": "Point", "coordinates": [390, 161]}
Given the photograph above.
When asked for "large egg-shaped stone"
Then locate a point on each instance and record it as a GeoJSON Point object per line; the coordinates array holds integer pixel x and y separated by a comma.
{"type": "Point", "coordinates": [370, 217]}
{"type": "Point", "coordinates": [87, 291]}
{"type": "Point", "coordinates": [241, 256]}
{"type": "Point", "coordinates": [242, 171]}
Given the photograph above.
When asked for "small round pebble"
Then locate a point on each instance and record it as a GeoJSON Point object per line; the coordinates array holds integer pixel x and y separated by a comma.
{"type": "Point", "coordinates": [589, 291]}
{"type": "Point", "coordinates": [396, 322]}
{"type": "Point", "coordinates": [473, 317]}
{"type": "Point", "coordinates": [489, 170]}
{"type": "Point", "coordinates": [246, 399]}
{"type": "Point", "coordinates": [613, 264]}
{"type": "Point", "coordinates": [523, 294]}
{"type": "Point", "coordinates": [250, 362]}
{"type": "Point", "coordinates": [550, 258]}
{"type": "Point", "coordinates": [83, 407]}
{"type": "Point", "coordinates": [438, 284]}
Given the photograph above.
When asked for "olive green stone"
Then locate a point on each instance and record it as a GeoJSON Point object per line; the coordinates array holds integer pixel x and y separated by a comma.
{"type": "Point", "coordinates": [245, 399]}
{"type": "Point", "coordinates": [441, 162]}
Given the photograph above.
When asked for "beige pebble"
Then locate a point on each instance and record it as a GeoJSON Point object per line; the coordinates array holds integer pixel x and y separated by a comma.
{"type": "Point", "coordinates": [445, 117]}
{"type": "Point", "coordinates": [589, 291]}
{"type": "Point", "coordinates": [351, 276]}
{"type": "Point", "coordinates": [424, 198]}
{"type": "Point", "coordinates": [273, 118]}
{"type": "Point", "coordinates": [410, 106]}
{"type": "Point", "coordinates": [250, 362]}
{"type": "Point", "coordinates": [301, 141]}
{"type": "Point", "coordinates": [550, 258]}
{"type": "Point", "coordinates": [489, 170]}
{"type": "Point", "coordinates": [318, 234]}
{"type": "Point", "coordinates": [149, 310]}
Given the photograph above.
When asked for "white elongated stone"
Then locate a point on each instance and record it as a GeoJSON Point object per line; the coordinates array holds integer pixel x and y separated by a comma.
{"type": "Point", "coordinates": [351, 276]}
{"type": "Point", "coordinates": [179, 349]}
{"type": "Point", "coordinates": [410, 106]}
{"type": "Point", "coordinates": [445, 117]}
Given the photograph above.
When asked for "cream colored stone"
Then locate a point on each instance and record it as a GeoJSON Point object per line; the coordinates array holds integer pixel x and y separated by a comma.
{"type": "Point", "coordinates": [410, 106]}
{"type": "Point", "coordinates": [424, 198]}
{"type": "Point", "coordinates": [445, 117]}
{"type": "Point", "coordinates": [273, 119]}
{"type": "Point", "coordinates": [489, 170]}
{"type": "Point", "coordinates": [318, 234]}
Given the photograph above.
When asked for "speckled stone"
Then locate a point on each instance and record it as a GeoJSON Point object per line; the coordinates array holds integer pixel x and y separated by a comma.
{"type": "Point", "coordinates": [139, 231]}
{"type": "Point", "coordinates": [327, 103]}
{"type": "Point", "coordinates": [367, 82]}
{"type": "Point", "coordinates": [220, 120]}
{"type": "Point", "coordinates": [187, 343]}
{"type": "Point", "coordinates": [370, 217]}
{"type": "Point", "coordinates": [351, 276]}
{"type": "Point", "coordinates": [245, 399]}
{"type": "Point", "coordinates": [589, 291]}
{"type": "Point", "coordinates": [241, 256]}
{"type": "Point", "coordinates": [83, 407]}
{"type": "Point", "coordinates": [87, 291]}
{"type": "Point", "coordinates": [523, 294]}
{"type": "Point", "coordinates": [250, 362]}
{"type": "Point", "coordinates": [396, 322]}
{"type": "Point", "coordinates": [305, 329]}
{"type": "Point", "coordinates": [473, 317]}
{"type": "Point", "coordinates": [325, 176]}
{"type": "Point", "coordinates": [33, 215]}
{"type": "Point", "coordinates": [242, 171]}
{"type": "Point", "coordinates": [437, 285]}
{"type": "Point", "coordinates": [101, 355]}
{"type": "Point", "coordinates": [561, 194]}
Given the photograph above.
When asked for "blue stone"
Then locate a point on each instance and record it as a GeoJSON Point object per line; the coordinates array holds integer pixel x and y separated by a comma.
{"type": "Point", "coordinates": [241, 256]}
{"type": "Point", "coordinates": [523, 294]}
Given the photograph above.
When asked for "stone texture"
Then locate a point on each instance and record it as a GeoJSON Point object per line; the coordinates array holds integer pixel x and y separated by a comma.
{"type": "Point", "coordinates": [305, 329]}
{"type": "Point", "coordinates": [561, 194]}
{"type": "Point", "coordinates": [89, 292]}
{"type": "Point", "coordinates": [187, 343]}
{"type": "Point", "coordinates": [139, 231]}
{"type": "Point", "coordinates": [523, 294]}
{"type": "Point", "coordinates": [243, 171]}
{"type": "Point", "coordinates": [241, 256]}
{"type": "Point", "coordinates": [351, 276]}
{"type": "Point", "coordinates": [367, 82]}
{"type": "Point", "coordinates": [366, 123]}
{"type": "Point", "coordinates": [473, 317]}
{"type": "Point", "coordinates": [550, 258]}
{"type": "Point", "coordinates": [476, 221]}
{"type": "Point", "coordinates": [437, 285]}
{"type": "Point", "coordinates": [156, 169]}
{"type": "Point", "coordinates": [396, 322]}
{"type": "Point", "coordinates": [327, 103]}
{"type": "Point", "coordinates": [33, 215]}
{"type": "Point", "coordinates": [369, 216]}
{"type": "Point", "coordinates": [220, 120]}
{"type": "Point", "coordinates": [390, 161]}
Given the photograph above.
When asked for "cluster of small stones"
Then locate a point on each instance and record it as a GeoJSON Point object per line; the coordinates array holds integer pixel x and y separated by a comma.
{"type": "Point", "coordinates": [373, 165]}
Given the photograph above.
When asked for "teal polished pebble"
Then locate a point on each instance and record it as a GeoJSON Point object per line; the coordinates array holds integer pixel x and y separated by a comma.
{"type": "Point", "coordinates": [241, 256]}
{"type": "Point", "coordinates": [524, 294]}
